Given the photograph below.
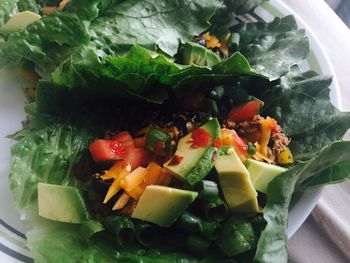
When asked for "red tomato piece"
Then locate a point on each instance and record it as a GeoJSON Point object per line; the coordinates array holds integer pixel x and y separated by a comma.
{"type": "Point", "coordinates": [107, 150]}
{"type": "Point", "coordinates": [239, 144]}
{"type": "Point", "coordinates": [125, 139]}
{"type": "Point", "coordinates": [231, 138]}
{"type": "Point", "coordinates": [136, 157]}
{"type": "Point", "coordinates": [200, 137]}
{"type": "Point", "coordinates": [245, 111]}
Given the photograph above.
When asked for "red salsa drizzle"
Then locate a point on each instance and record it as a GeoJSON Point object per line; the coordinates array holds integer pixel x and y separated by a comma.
{"type": "Point", "coordinates": [175, 160]}
{"type": "Point", "coordinates": [200, 138]}
{"type": "Point", "coordinates": [217, 143]}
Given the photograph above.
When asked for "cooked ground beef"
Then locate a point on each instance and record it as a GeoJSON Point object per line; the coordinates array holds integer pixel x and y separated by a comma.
{"type": "Point", "coordinates": [279, 142]}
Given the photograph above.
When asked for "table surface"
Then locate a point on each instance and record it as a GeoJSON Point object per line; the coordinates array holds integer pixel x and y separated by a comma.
{"type": "Point", "coordinates": [325, 235]}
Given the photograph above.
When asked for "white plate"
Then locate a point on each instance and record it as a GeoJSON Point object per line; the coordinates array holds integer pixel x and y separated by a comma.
{"type": "Point", "coordinates": [12, 241]}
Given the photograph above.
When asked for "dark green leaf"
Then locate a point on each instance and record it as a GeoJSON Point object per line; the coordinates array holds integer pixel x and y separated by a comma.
{"type": "Point", "coordinates": [330, 165]}
{"type": "Point", "coordinates": [272, 48]}
{"type": "Point", "coordinates": [300, 103]}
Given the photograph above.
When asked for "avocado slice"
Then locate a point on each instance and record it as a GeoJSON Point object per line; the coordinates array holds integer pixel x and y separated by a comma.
{"type": "Point", "coordinates": [19, 21]}
{"type": "Point", "coordinates": [235, 182]}
{"type": "Point", "coordinates": [61, 203]}
{"type": "Point", "coordinates": [162, 205]}
{"type": "Point", "coordinates": [262, 173]}
{"type": "Point", "coordinates": [196, 162]}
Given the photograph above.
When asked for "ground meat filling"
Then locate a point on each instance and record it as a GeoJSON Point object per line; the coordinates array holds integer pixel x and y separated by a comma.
{"type": "Point", "coordinates": [251, 131]}
{"type": "Point", "coordinates": [279, 142]}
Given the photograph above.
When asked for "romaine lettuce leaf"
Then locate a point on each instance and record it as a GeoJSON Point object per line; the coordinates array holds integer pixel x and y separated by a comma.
{"type": "Point", "coordinates": [69, 245]}
{"type": "Point", "coordinates": [45, 155]}
{"type": "Point", "coordinates": [143, 75]}
{"type": "Point", "coordinates": [50, 40]}
{"type": "Point", "coordinates": [272, 48]}
{"type": "Point", "coordinates": [7, 9]}
{"type": "Point", "coordinates": [35, 5]}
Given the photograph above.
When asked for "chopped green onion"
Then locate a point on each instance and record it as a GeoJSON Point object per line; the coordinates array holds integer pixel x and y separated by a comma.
{"type": "Point", "coordinates": [122, 227]}
{"type": "Point", "coordinates": [207, 189]}
{"type": "Point", "coordinates": [210, 229]}
{"type": "Point", "coordinates": [90, 228]}
{"type": "Point", "coordinates": [197, 245]}
{"type": "Point", "coordinates": [157, 140]}
{"type": "Point", "coordinates": [214, 209]}
{"type": "Point", "coordinates": [190, 223]}
{"type": "Point", "coordinates": [146, 233]}
{"type": "Point", "coordinates": [237, 236]}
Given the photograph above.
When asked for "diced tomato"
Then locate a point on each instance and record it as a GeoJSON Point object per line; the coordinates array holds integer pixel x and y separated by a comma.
{"type": "Point", "coordinates": [239, 144]}
{"type": "Point", "coordinates": [231, 138]}
{"type": "Point", "coordinates": [276, 129]}
{"type": "Point", "coordinates": [136, 157]}
{"type": "Point", "coordinates": [107, 150]}
{"type": "Point", "coordinates": [245, 111]}
{"type": "Point", "coordinates": [217, 142]}
{"type": "Point", "coordinates": [200, 137]}
{"type": "Point", "coordinates": [125, 139]}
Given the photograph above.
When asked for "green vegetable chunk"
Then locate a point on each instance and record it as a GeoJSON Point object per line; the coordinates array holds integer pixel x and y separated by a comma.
{"type": "Point", "coordinates": [157, 140]}
{"type": "Point", "coordinates": [207, 189]}
{"type": "Point", "coordinates": [123, 229]}
{"type": "Point", "coordinates": [197, 161]}
{"type": "Point", "coordinates": [61, 203]}
{"type": "Point", "coordinates": [235, 182]}
{"type": "Point", "coordinates": [162, 205]}
{"type": "Point", "coordinates": [197, 245]}
{"type": "Point", "coordinates": [237, 236]}
{"type": "Point", "coordinates": [214, 209]}
{"type": "Point", "coordinates": [90, 228]}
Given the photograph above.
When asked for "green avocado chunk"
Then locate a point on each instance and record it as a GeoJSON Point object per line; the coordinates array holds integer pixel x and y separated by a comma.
{"type": "Point", "coordinates": [196, 162]}
{"type": "Point", "coordinates": [61, 203]}
{"type": "Point", "coordinates": [235, 182]}
{"type": "Point", "coordinates": [262, 173]}
{"type": "Point", "coordinates": [162, 205]}
{"type": "Point", "coordinates": [19, 21]}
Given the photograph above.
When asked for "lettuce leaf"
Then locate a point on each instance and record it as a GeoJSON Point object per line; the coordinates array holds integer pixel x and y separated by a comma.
{"type": "Point", "coordinates": [272, 48]}
{"type": "Point", "coordinates": [300, 103]}
{"type": "Point", "coordinates": [69, 245]}
{"type": "Point", "coordinates": [45, 155]}
{"type": "Point", "coordinates": [330, 165]}
{"type": "Point", "coordinates": [7, 9]}
{"type": "Point", "coordinates": [50, 40]}
{"type": "Point", "coordinates": [143, 75]}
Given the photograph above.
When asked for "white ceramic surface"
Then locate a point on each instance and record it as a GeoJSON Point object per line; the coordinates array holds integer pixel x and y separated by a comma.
{"type": "Point", "coordinates": [12, 241]}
